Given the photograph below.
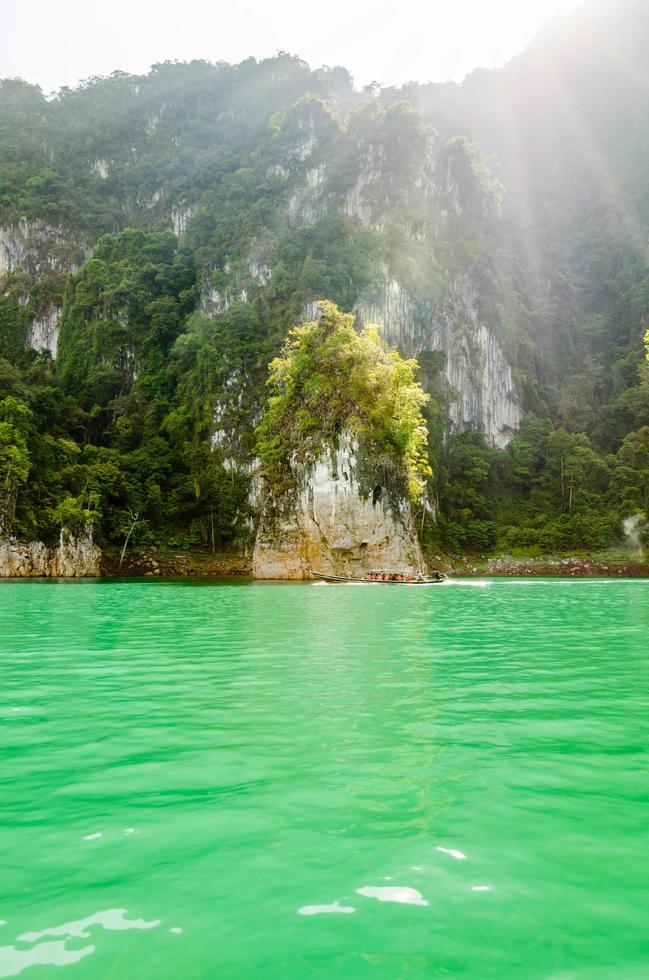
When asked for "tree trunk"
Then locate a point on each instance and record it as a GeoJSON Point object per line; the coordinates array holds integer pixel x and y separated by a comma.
{"type": "Point", "coordinates": [134, 524]}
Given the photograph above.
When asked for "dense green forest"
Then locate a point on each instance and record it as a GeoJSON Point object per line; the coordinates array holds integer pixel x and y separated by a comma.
{"type": "Point", "coordinates": [160, 236]}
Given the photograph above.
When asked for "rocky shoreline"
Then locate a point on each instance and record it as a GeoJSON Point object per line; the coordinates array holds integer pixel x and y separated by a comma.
{"type": "Point", "coordinates": [184, 564]}
{"type": "Point", "coordinates": [550, 567]}
{"type": "Point", "coordinates": [240, 566]}
{"type": "Point", "coordinates": [75, 556]}
{"type": "Point", "coordinates": [20, 561]}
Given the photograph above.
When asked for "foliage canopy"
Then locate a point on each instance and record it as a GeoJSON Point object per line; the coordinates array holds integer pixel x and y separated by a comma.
{"type": "Point", "coordinates": [330, 378]}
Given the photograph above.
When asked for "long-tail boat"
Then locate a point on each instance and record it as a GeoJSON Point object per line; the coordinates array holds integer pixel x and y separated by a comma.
{"type": "Point", "coordinates": [384, 578]}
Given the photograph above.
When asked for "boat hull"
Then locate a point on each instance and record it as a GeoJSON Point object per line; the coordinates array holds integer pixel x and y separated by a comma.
{"type": "Point", "coordinates": [363, 581]}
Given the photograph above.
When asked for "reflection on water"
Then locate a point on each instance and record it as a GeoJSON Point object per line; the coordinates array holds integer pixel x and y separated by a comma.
{"type": "Point", "coordinates": [112, 919]}
{"type": "Point", "coordinates": [458, 855]}
{"type": "Point", "coordinates": [15, 959]}
{"type": "Point", "coordinates": [325, 909]}
{"type": "Point", "coordinates": [322, 781]}
{"type": "Point", "coordinates": [393, 893]}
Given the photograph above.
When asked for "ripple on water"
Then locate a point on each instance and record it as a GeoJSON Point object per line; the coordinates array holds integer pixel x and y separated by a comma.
{"type": "Point", "coordinates": [245, 751]}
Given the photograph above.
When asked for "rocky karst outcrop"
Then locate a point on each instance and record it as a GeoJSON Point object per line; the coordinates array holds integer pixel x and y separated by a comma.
{"type": "Point", "coordinates": [331, 523]}
{"type": "Point", "coordinates": [77, 556]}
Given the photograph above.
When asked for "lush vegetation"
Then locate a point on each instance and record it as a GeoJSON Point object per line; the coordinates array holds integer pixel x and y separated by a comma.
{"type": "Point", "coordinates": [329, 379]}
{"type": "Point", "coordinates": [107, 435]}
{"type": "Point", "coordinates": [549, 491]}
{"type": "Point", "coordinates": [179, 224]}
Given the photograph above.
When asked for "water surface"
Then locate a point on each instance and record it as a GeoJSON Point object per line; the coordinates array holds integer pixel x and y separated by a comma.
{"type": "Point", "coordinates": [296, 781]}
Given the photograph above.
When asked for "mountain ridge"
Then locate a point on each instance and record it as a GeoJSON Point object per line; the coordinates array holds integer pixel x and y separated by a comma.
{"type": "Point", "coordinates": [254, 190]}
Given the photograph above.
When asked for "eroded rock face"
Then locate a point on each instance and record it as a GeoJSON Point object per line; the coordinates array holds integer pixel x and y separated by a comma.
{"type": "Point", "coordinates": [329, 524]}
{"type": "Point", "coordinates": [77, 556]}
{"type": "Point", "coordinates": [180, 216]}
{"type": "Point", "coordinates": [42, 251]}
{"type": "Point", "coordinates": [43, 332]}
{"type": "Point", "coordinates": [36, 248]}
{"type": "Point", "coordinates": [478, 377]}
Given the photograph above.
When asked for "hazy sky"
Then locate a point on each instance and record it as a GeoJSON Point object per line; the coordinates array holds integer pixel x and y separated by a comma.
{"type": "Point", "coordinates": [58, 42]}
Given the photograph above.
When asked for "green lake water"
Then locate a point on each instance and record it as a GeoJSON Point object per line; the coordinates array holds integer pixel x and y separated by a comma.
{"type": "Point", "coordinates": [294, 781]}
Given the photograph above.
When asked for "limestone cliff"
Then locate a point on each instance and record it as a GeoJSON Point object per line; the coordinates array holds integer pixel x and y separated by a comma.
{"type": "Point", "coordinates": [435, 212]}
{"type": "Point", "coordinates": [331, 523]}
{"type": "Point", "coordinates": [37, 248]}
{"type": "Point", "coordinates": [477, 376]}
{"type": "Point", "coordinates": [43, 332]}
{"type": "Point", "coordinates": [76, 556]}
{"type": "Point", "coordinates": [41, 255]}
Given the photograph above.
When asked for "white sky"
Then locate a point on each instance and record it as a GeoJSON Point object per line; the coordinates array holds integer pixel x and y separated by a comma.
{"type": "Point", "coordinates": [58, 42]}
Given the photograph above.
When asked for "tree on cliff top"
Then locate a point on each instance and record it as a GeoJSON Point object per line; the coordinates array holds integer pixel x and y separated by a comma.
{"type": "Point", "coordinates": [329, 378]}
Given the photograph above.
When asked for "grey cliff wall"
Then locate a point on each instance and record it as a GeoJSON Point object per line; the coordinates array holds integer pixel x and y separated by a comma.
{"type": "Point", "coordinates": [38, 249]}
{"type": "Point", "coordinates": [480, 383]}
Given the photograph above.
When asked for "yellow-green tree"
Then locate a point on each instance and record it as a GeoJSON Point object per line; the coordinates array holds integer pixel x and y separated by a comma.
{"type": "Point", "coordinates": [329, 378]}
